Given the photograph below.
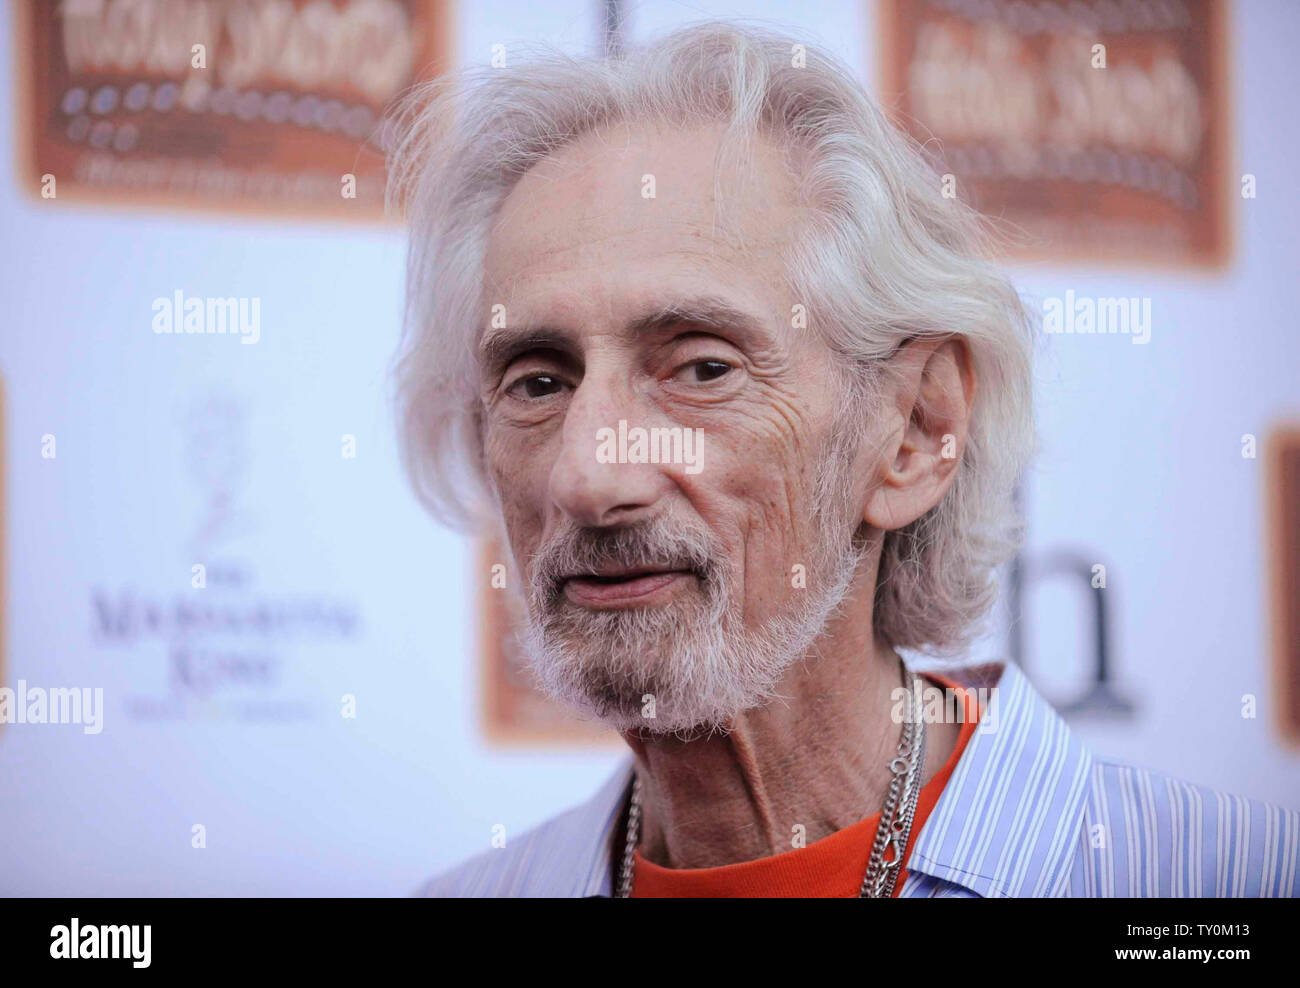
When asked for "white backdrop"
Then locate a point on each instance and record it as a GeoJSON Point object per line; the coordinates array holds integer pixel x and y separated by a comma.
{"type": "Point", "coordinates": [325, 580]}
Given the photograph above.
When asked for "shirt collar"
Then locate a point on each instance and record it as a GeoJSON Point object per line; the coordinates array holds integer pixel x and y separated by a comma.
{"type": "Point", "coordinates": [1005, 824]}
{"type": "Point", "coordinates": [1008, 819]}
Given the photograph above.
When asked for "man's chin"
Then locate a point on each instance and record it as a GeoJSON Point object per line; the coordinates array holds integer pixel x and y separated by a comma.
{"type": "Point", "coordinates": [643, 690]}
{"type": "Point", "coordinates": [644, 718]}
{"type": "Point", "coordinates": [676, 669]}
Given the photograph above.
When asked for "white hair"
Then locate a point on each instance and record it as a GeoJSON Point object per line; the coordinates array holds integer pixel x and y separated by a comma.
{"type": "Point", "coordinates": [885, 258]}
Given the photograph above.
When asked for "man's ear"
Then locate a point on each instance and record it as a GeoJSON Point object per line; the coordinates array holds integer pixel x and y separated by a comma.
{"type": "Point", "coordinates": [933, 388]}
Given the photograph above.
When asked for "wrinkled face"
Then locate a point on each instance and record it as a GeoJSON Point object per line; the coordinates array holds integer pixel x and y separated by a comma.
{"type": "Point", "coordinates": [655, 428]}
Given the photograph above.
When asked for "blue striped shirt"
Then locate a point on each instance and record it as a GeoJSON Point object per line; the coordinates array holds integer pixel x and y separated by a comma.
{"type": "Point", "coordinates": [1028, 811]}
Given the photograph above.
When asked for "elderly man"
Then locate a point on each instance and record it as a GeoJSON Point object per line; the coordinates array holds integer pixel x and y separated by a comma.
{"type": "Point", "coordinates": [698, 330]}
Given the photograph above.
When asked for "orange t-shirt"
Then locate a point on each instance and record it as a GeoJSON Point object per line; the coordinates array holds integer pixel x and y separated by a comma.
{"type": "Point", "coordinates": [830, 868]}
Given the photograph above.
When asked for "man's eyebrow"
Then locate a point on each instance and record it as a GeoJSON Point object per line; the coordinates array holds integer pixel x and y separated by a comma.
{"type": "Point", "coordinates": [497, 347]}
{"type": "Point", "coordinates": [711, 312]}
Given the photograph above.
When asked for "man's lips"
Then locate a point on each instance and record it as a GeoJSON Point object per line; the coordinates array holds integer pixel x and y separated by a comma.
{"type": "Point", "coordinates": [622, 588]}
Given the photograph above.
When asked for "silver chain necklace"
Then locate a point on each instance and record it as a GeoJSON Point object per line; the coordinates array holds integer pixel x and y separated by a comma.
{"type": "Point", "coordinates": [896, 816]}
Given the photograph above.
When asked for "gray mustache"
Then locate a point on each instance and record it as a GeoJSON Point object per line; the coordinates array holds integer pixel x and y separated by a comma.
{"type": "Point", "coordinates": [584, 551]}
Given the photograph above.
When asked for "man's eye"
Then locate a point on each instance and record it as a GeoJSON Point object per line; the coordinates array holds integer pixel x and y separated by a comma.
{"type": "Point", "coordinates": [707, 370]}
{"type": "Point", "coordinates": [536, 386]}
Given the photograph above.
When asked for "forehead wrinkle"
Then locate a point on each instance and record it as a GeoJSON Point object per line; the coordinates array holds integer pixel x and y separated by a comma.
{"type": "Point", "coordinates": [744, 170]}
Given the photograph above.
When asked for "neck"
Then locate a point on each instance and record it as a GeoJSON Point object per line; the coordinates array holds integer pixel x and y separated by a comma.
{"type": "Point", "coordinates": [818, 756]}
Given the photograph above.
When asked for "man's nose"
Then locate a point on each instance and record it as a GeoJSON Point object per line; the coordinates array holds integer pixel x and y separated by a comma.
{"type": "Point", "coordinates": [587, 488]}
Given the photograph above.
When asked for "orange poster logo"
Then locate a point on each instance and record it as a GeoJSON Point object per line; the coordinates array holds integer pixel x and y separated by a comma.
{"type": "Point", "coordinates": [1094, 131]}
{"type": "Point", "coordinates": [255, 105]}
